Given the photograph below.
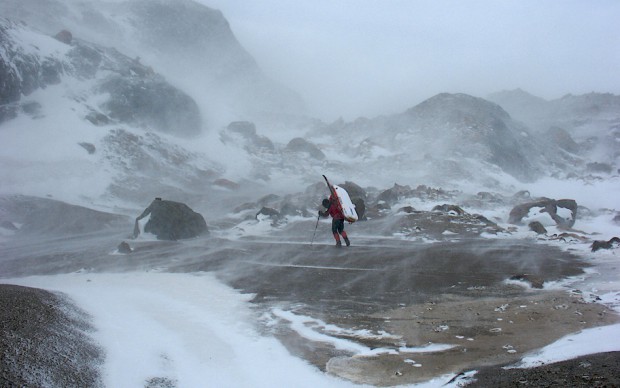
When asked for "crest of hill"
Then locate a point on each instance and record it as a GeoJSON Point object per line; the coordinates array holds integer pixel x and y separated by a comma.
{"type": "Point", "coordinates": [452, 127]}
{"type": "Point", "coordinates": [572, 112]}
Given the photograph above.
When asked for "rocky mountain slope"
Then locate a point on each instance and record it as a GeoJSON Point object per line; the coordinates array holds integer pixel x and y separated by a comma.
{"type": "Point", "coordinates": [587, 125]}
{"type": "Point", "coordinates": [113, 103]}
{"type": "Point", "coordinates": [192, 45]}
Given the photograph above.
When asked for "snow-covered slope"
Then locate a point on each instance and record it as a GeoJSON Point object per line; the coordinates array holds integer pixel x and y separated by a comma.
{"type": "Point", "coordinates": [190, 44]}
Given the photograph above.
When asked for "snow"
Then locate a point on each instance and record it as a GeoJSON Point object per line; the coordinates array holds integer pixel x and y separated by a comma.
{"type": "Point", "coordinates": [588, 341]}
{"type": "Point", "coordinates": [189, 328]}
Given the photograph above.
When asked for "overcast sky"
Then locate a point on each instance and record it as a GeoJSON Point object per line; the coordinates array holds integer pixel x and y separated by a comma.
{"type": "Point", "coordinates": [354, 58]}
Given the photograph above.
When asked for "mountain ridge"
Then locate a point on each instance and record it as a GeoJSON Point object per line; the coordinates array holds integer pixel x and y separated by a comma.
{"type": "Point", "coordinates": [145, 133]}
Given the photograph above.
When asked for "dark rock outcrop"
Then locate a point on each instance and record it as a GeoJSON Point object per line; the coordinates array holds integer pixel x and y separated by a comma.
{"type": "Point", "coordinates": [549, 206]}
{"type": "Point", "coordinates": [269, 212]}
{"type": "Point", "coordinates": [271, 215]}
{"type": "Point", "coordinates": [601, 244]}
{"type": "Point", "coordinates": [354, 190]}
{"type": "Point", "coordinates": [407, 209]}
{"type": "Point", "coordinates": [394, 194]}
{"type": "Point", "coordinates": [124, 248]}
{"type": "Point", "coordinates": [446, 208]}
{"type": "Point", "coordinates": [151, 102]}
{"type": "Point", "coordinates": [171, 220]}
{"type": "Point", "coordinates": [360, 208]}
{"type": "Point", "coordinates": [537, 227]}
{"type": "Point", "coordinates": [358, 198]}
{"type": "Point", "coordinates": [64, 36]}
{"type": "Point", "coordinates": [300, 145]}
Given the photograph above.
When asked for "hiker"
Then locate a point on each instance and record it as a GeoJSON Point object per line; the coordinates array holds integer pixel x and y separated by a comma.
{"type": "Point", "coordinates": [332, 209]}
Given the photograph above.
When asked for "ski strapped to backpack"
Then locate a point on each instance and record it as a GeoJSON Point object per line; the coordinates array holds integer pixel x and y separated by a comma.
{"type": "Point", "coordinates": [343, 201]}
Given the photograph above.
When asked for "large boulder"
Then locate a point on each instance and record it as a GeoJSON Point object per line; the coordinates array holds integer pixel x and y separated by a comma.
{"type": "Point", "coordinates": [394, 194]}
{"type": "Point", "coordinates": [169, 220]}
{"type": "Point", "coordinates": [562, 212]}
{"type": "Point", "coordinates": [358, 198]}
{"type": "Point", "coordinates": [300, 145]}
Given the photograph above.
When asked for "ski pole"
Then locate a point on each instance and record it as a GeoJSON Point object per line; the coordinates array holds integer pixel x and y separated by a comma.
{"type": "Point", "coordinates": [315, 228]}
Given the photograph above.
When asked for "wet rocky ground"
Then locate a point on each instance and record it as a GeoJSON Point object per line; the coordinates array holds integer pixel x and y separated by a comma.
{"type": "Point", "coordinates": [45, 341]}
{"type": "Point", "coordinates": [483, 297]}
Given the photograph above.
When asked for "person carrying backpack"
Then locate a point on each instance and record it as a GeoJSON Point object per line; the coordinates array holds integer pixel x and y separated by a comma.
{"type": "Point", "coordinates": [332, 209]}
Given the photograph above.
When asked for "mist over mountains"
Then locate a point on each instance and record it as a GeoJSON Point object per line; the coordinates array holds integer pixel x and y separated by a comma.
{"type": "Point", "coordinates": [124, 101]}
{"type": "Point", "coordinates": [152, 173]}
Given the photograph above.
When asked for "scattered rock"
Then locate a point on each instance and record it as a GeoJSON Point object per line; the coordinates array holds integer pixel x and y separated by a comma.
{"type": "Point", "coordinates": [124, 248]}
{"type": "Point", "coordinates": [406, 209]}
{"type": "Point", "coordinates": [360, 208]}
{"type": "Point", "coordinates": [64, 36]}
{"type": "Point", "coordinates": [97, 118]}
{"type": "Point", "coordinates": [227, 184]}
{"type": "Point", "coordinates": [89, 147]}
{"type": "Point", "coordinates": [394, 194]}
{"type": "Point", "coordinates": [599, 167]}
{"type": "Point", "coordinates": [270, 215]}
{"type": "Point", "coordinates": [537, 227]}
{"type": "Point", "coordinates": [299, 144]}
{"type": "Point", "coordinates": [535, 281]}
{"type": "Point", "coordinates": [445, 208]}
{"type": "Point", "coordinates": [614, 242]}
{"type": "Point", "coordinates": [290, 209]}
{"type": "Point", "coordinates": [521, 196]}
{"type": "Point", "coordinates": [269, 212]}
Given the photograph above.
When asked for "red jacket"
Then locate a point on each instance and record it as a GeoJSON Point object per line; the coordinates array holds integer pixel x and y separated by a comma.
{"type": "Point", "coordinates": [334, 209]}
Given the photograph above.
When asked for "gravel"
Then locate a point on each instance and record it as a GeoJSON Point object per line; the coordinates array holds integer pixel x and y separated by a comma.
{"type": "Point", "coordinates": [45, 341]}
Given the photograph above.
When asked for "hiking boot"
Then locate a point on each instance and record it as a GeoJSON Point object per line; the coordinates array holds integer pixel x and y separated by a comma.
{"type": "Point", "coordinates": [338, 244]}
{"type": "Point", "coordinates": [346, 240]}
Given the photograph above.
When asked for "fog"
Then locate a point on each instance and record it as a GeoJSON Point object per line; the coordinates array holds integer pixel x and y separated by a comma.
{"type": "Point", "coordinates": [328, 309]}
{"type": "Point", "coordinates": [352, 58]}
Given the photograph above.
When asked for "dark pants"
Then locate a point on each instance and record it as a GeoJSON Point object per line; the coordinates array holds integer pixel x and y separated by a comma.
{"type": "Point", "coordinates": [337, 226]}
